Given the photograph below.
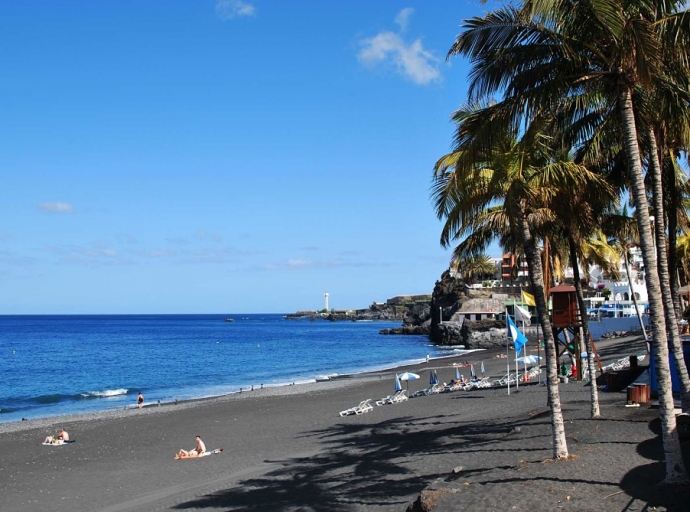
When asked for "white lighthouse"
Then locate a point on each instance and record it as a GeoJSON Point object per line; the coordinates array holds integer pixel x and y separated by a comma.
{"type": "Point", "coordinates": [325, 296]}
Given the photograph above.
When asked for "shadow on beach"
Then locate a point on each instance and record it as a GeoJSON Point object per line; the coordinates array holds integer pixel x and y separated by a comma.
{"type": "Point", "coordinates": [375, 465]}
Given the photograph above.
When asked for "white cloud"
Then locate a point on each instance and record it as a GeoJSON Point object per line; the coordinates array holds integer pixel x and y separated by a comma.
{"type": "Point", "coordinates": [202, 235]}
{"type": "Point", "coordinates": [410, 59]}
{"type": "Point", "coordinates": [403, 18]}
{"type": "Point", "coordinates": [56, 207]}
{"type": "Point", "coordinates": [95, 255]}
{"type": "Point", "coordinates": [228, 9]}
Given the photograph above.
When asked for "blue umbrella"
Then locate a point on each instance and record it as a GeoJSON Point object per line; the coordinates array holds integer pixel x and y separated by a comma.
{"type": "Point", "coordinates": [482, 367]}
{"type": "Point", "coordinates": [472, 374]}
{"type": "Point", "coordinates": [398, 386]}
{"type": "Point", "coordinates": [457, 374]}
{"type": "Point", "coordinates": [433, 378]}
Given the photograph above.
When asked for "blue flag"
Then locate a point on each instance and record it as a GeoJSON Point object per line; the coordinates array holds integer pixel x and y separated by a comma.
{"type": "Point", "coordinates": [514, 333]}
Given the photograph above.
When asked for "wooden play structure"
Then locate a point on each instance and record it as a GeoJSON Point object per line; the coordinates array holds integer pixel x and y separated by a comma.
{"type": "Point", "coordinates": [566, 322]}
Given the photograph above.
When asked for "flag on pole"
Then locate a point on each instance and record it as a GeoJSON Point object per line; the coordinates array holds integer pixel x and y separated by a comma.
{"type": "Point", "coordinates": [522, 315]}
{"type": "Point", "coordinates": [516, 335]}
{"type": "Point", "coordinates": [528, 298]}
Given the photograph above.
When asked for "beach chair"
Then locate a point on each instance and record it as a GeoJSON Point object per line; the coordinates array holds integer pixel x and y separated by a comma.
{"type": "Point", "coordinates": [480, 383]}
{"type": "Point", "coordinates": [361, 408]}
{"type": "Point", "coordinates": [397, 397]}
{"type": "Point", "coordinates": [456, 386]}
{"type": "Point", "coordinates": [400, 396]}
{"type": "Point", "coordinates": [502, 381]}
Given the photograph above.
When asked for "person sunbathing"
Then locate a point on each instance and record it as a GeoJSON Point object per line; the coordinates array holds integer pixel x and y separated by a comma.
{"type": "Point", "coordinates": [194, 452]}
{"type": "Point", "coordinates": [61, 437]}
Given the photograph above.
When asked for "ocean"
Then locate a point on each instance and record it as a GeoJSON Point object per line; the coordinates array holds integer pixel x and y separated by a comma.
{"type": "Point", "coordinates": [53, 365]}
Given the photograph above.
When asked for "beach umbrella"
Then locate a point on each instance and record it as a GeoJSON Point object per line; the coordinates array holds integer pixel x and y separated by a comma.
{"type": "Point", "coordinates": [433, 378]}
{"type": "Point", "coordinates": [398, 386]}
{"type": "Point", "coordinates": [408, 376]}
{"type": "Point", "coordinates": [482, 367]}
{"type": "Point", "coordinates": [528, 359]}
{"type": "Point", "coordinates": [472, 374]}
{"type": "Point", "coordinates": [457, 374]}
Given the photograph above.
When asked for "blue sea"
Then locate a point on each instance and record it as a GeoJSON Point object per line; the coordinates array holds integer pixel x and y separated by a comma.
{"type": "Point", "coordinates": [54, 365]}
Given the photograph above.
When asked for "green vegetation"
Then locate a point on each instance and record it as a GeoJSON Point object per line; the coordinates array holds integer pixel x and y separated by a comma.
{"type": "Point", "coordinates": [574, 107]}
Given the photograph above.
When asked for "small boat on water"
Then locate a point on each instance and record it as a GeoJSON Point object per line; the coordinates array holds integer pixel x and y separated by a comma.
{"type": "Point", "coordinates": [229, 319]}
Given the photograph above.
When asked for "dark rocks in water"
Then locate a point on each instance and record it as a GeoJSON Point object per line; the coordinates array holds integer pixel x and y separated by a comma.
{"type": "Point", "coordinates": [407, 329]}
{"type": "Point", "coordinates": [449, 334]}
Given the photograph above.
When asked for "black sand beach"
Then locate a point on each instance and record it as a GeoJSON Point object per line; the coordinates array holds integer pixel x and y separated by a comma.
{"type": "Point", "coordinates": [287, 449]}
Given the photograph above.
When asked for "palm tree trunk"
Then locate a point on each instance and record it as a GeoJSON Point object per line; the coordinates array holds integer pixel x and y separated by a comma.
{"type": "Point", "coordinates": [632, 293]}
{"type": "Point", "coordinates": [672, 215]}
{"type": "Point", "coordinates": [675, 468]}
{"type": "Point", "coordinates": [536, 276]}
{"type": "Point", "coordinates": [676, 344]}
{"type": "Point", "coordinates": [594, 393]}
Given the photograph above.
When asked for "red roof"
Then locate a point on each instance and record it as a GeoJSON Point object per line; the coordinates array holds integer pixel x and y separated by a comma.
{"type": "Point", "coordinates": [562, 288]}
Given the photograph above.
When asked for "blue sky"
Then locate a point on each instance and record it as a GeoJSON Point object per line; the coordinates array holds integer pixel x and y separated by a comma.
{"type": "Point", "coordinates": [203, 156]}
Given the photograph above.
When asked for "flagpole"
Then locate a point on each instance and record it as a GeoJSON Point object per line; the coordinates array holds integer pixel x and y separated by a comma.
{"type": "Point", "coordinates": [517, 368]}
{"type": "Point", "coordinates": [524, 356]}
{"type": "Point", "coordinates": [508, 338]}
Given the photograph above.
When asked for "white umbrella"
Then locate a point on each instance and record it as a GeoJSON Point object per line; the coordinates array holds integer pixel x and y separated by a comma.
{"type": "Point", "coordinates": [408, 376]}
{"type": "Point", "coordinates": [528, 359]}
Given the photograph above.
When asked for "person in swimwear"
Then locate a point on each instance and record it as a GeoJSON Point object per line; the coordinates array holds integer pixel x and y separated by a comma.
{"type": "Point", "coordinates": [61, 436]}
{"type": "Point", "coordinates": [140, 400]}
{"type": "Point", "coordinates": [194, 452]}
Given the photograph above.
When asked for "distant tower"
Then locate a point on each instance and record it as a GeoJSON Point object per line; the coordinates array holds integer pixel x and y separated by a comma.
{"type": "Point", "coordinates": [325, 296]}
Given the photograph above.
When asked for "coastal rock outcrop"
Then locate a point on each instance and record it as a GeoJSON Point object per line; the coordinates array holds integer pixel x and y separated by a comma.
{"type": "Point", "coordinates": [484, 334]}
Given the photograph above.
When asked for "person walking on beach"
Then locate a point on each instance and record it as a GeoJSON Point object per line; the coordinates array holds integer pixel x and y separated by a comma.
{"type": "Point", "coordinates": [194, 452]}
{"type": "Point", "coordinates": [140, 400]}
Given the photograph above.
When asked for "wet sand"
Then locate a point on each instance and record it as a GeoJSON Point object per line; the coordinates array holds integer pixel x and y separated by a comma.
{"type": "Point", "coordinates": [287, 449]}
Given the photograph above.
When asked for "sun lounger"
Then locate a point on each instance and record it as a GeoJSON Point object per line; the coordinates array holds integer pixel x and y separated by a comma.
{"type": "Point", "coordinates": [478, 384]}
{"type": "Point", "coordinates": [361, 408]}
{"type": "Point", "coordinates": [456, 386]}
{"type": "Point", "coordinates": [431, 390]}
{"type": "Point", "coordinates": [396, 398]}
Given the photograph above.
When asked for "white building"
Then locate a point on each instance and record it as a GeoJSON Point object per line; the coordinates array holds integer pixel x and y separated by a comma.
{"type": "Point", "coordinates": [621, 290]}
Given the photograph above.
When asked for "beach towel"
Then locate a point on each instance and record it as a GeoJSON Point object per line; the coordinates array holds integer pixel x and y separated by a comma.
{"type": "Point", "coordinates": [59, 443]}
{"type": "Point", "coordinates": [212, 452]}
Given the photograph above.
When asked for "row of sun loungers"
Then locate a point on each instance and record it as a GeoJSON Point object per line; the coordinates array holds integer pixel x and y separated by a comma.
{"type": "Point", "coordinates": [622, 363]}
{"type": "Point", "coordinates": [400, 396]}
{"type": "Point", "coordinates": [365, 405]}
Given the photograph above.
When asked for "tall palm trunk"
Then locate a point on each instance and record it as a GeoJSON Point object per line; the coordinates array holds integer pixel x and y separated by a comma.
{"type": "Point", "coordinates": [675, 468]}
{"type": "Point", "coordinates": [672, 215]}
{"type": "Point", "coordinates": [536, 276]}
{"type": "Point", "coordinates": [632, 293]}
{"type": "Point", "coordinates": [594, 393]}
{"type": "Point", "coordinates": [676, 344]}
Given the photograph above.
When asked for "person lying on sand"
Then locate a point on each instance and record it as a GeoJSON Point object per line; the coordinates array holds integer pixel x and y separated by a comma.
{"type": "Point", "coordinates": [194, 452]}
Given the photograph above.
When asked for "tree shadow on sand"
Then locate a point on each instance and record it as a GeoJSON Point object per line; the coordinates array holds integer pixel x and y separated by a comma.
{"type": "Point", "coordinates": [644, 482]}
{"type": "Point", "coordinates": [360, 465]}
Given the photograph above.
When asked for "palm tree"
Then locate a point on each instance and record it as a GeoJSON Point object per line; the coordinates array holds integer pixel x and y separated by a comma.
{"type": "Point", "coordinates": [555, 49]}
{"type": "Point", "coordinates": [473, 266]}
{"type": "Point", "coordinates": [520, 174]}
